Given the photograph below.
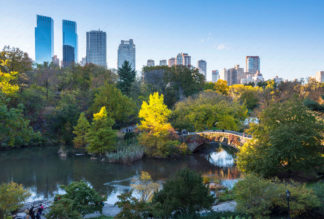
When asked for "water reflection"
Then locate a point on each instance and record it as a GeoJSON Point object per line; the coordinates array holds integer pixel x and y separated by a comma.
{"type": "Point", "coordinates": [221, 159]}
{"type": "Point", "coordinates": [41, 170]}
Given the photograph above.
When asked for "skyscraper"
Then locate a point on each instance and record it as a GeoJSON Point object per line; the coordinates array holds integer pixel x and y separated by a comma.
{"type": "Point", "coordinates": [96, 48]}
{"type": "Point", "coordinates": [232, 75]}
{"type": "Point", "coordinates": [215, 75]}
{"type": "Point", "coordinates": [68, 55]}
{"type": "Point", "coordinates": [126, 52]}
{"type": "Point", "coordinates": [252, 64]}
{"type": "Point", "coordinates": [319, 77]}
{"type": "Point", "coordinates": [44, 39]}
{"type": "Point", "coordinates": [163, 62]}
{"type": "Point", "coordinates": [202, 66]}
{"type": "Point", "coordinates": [171, 62]}
{"type": "Point", "coordinates": [70, 38]}
{"type": "Point", "coordinates": [150, 62]}
{"type": "Point", "coordinates": [183, 59]}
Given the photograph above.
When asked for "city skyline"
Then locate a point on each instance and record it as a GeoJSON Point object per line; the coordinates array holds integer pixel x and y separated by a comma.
{"type": "Point", "coordinates": [287, 36]}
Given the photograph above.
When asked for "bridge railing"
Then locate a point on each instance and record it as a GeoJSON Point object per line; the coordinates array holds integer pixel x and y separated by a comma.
{"type": "Point", "coordinates": [221, 131]}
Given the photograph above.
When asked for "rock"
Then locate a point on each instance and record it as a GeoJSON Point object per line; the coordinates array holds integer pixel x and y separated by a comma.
{"type": "Point", "coordinates": [225, 206]}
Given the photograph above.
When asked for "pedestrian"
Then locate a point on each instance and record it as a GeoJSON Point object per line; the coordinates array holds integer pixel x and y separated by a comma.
{"type": "Point", "coordinates": [27, 214]}
{"type": "Point", "coordinates": [41, 208]}
{"type": "Point", "coordinates": [32, 212]}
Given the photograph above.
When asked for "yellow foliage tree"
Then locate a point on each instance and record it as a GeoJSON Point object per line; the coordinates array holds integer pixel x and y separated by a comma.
{"type": "Point", "coordinates": [7, 79]}
{"type": "Point", "coordinates": [146, 187]}
{"type": "Point", "coordinates": [158, 135]}
{"type": "Point", "coordinates": [221, 87]}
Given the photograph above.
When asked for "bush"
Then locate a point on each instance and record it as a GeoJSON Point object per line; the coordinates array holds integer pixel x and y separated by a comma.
{"type": "Point", "coordinates": [80, 199]}
{"type": "Point", "coordinates": [259, 197]}
{"type": "Point", "coordinates": [185, 194]}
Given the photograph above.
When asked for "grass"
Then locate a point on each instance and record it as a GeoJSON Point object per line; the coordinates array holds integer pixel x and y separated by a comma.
{"type": "Point", "coordinates": [126, 153]}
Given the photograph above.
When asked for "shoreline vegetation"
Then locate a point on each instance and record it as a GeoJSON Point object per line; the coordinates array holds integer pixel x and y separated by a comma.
{"type": "Point", "coordinates": [85, 106]}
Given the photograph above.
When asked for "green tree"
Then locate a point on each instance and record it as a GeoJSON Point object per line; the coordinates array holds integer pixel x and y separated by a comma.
{"type": "Point", "coordinates": [12, 197]}
{"type": "Point", "coordinates": [185, 194]}
{"type": "Point", "coordinates": [80, 131]}
{"type": "Point", "coordinates": [208, 110]}
{"type": "Point", "coordinates": [120, 107]}
{"type": "Point", "coordinates": [80, 198]}
{"type": "Point", "coordinates": [157, 134]}
{"type": "Point", "coordinates": [15, 130]}
{"type": "Point", "coordinates": [130, 207]}
{"type": "Point", "coordinates": [287, 140]}
{"type": "Point", "coordinates": [101, 137]}
{"type": "Point", "coordinates": [126, 78]}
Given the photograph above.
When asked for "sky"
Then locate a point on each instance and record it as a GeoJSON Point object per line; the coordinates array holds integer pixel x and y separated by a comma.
{"type": "Point", "coordinates": [288, 35]}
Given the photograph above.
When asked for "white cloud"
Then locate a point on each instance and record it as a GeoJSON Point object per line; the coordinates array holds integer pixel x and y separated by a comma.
{"type": "Point", "coordinates": [220, 46]}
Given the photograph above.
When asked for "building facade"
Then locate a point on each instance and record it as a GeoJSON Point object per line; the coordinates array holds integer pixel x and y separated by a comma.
{"type": "Point", "coordinates": [56, 60]}
{"type": "Point", "coordinates": [232, 75]}
{"type": "Point", "coordinates": [215, 75]}
{"type": "Point", "coordinates": [70, 38]}
{"type": "Point", "coordinates": [319, 77]}
{"type": "Point", "coordinates": [44, 39]}
{"type": "Point", "coordinates": [126, 52]}
{"type": "Point", "coordinates": [202, 67]}
{"type": "Point", "coordinates": [252, 64]}
{"type": "Point", "coordinates": [96, 48]}
{"type": "Point", "coordinates": [163, 62]}
{"type": "Point", "coordinates": [183, 59]}
{"type": "Point", "coordinates": [68, 55]}
{"type": "Point", "coordinates": [171, 62]}
{"type": "Point", "coordinates": [150, 63]}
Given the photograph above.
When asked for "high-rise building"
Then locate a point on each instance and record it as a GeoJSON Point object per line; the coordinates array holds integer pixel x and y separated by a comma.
{"type": "Point", "coordinates": [320, 76]}
{"type": "Point", "coordinates": [232, 75]}
{"type": "Point", "coordinates": [68, 55]}
{"type": "Point", "coordinates": [202, 66]}
{"type": "Point", "coordinates": [183, 59]}
{"type": "Point", "coordinates": [70, 38]}
{"type": "Point", "coordinates": [44, 39]}
{"type": "Point", "coordinates": [83, 61]}
{"type": "Point", "coordinates": [150, 63]}
{"type": "Point", "coordinates": [215, 75]}
{"type": "Point", "coordinates": [252, 64]}
{"type": "Point", "coordinates": [96, 48]}
{"type": "Point", "coordinates": [163, 62]}
{"type": "Point", "coordinates": [55, 60]}
{"type": "Point", "coordinates": [171, 62]}
{"type": "Point", "coordinates": [126, 52]}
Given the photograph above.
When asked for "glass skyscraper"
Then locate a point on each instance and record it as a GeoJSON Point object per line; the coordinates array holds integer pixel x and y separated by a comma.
{"type": "Point", "coordinates": [68, 55]}
{"type": "Point", "coordinates": [96, 48]}
{"type": "Point", "coordinates": [70, 38]}
{"type": "Point", "coordinates": [44, 39]}
{"type": "Point", "coordinates": [126, 52]}
{"type": "Point", "coordinates": [252, 64]}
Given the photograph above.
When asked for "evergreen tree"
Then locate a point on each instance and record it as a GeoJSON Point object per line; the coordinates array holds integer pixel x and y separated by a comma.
{"type": "Point", "coordinates": [101, 137]}
{"type": "Point", "coordinates": [80, 130]}
{"type": "Point", "coordinates": [126, 78]}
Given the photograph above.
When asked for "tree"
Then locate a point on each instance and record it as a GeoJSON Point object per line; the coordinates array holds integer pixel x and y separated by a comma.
{"type": "Point", "coordinates": [101, 137]}
{"type": "Point", "coordinates": [120, 107]}
{"type": "Point", "coordinates": [8, 79]}
{"type": "Point", "coordinates": [15, 130]}
{"type": "Point", "coordinates": [145, 187]}
{"type": "Point", "coordinates": [287, 140]}
{"type": "Point", "coordinates": [246, 94]}
{"type": "Point", "coordinates": [221, 87]}
{"type": "Point", "coordinates": [185, 194]}
{"type": "Point", "coordinates": [80, 130]}
{"type": "Point", "coordinates": [80, 199]}
{"type": "Point", "coordinates": [126, 78]}
{"type": "Point", "coordinates": [208, 110]}
{"type": "Point", "coordinates": [130, 207]}
{"type": "Point", "coordinates": [157, 136]}
{"type": "Point", "coordinates": [12, 197]}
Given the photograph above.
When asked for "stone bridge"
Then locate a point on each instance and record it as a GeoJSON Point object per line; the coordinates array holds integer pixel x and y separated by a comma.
{"type": "Point", "coordinates": [227, 137]}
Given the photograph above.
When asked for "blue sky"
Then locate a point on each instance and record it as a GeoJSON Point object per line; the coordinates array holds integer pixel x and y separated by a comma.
{"type": "Point", "coordinates": [288, 35]}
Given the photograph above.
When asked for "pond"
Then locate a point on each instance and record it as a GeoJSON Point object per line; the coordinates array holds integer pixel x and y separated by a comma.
{"type": "Point", "coordinates": [42, 171]}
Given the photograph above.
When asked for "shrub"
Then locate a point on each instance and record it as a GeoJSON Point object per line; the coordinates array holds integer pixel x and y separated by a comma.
{"type": "Point", "coordinates": [258, 197]}
{"type": "Point", "coordinates": [126, 154]}
{"type": "Point", "coordinates": [182, 195]}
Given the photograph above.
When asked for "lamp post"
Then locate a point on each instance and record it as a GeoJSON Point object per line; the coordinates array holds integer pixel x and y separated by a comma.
{"type": "Point", "coordinates": [288, 196]}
